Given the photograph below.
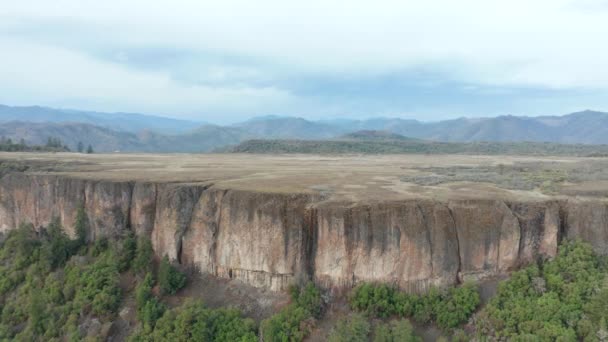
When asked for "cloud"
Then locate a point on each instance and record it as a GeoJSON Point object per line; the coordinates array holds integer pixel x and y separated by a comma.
{"type": "Point", "coordinates": [61, 76]}
{"type": "Point", "coordinates": [324, 56]}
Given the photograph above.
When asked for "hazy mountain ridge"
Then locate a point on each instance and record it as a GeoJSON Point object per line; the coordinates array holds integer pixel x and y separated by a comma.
{"type": "Point", "coordinates": [288, 128]}
{"type": "Point", "coordinates": [129, 122]}
{"type": "Point", "coordinates": [143, 133]}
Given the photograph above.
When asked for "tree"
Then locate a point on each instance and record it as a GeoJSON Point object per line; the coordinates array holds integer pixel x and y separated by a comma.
{"type": "Point", "coordinates": [149, 309]}
{"type": "Point", "coordinates": [128, 251]}
{"type": "Point", "coordinates": [36, 312]}
{"type": "Point", "coordinates": [169, 278]}
{"type": "Point", "coordinates": [194, 322]}
{"type": "Point", "coordinates": [396, 331]}
{"type": "Point", "coordinates": [308, 298]}
{"type": "Point", "coordinates": [355, 328]}
{"type": "Point", "coordinates": [81, 226]}
{"type": "Point", "coordinates": [80, 147]}
{"type": "Point", "coordinates": [90, 149]}
{"type": "Point", "coordinates": [143, 256]}
{"type": "Point", "coordinates": [58, 249]}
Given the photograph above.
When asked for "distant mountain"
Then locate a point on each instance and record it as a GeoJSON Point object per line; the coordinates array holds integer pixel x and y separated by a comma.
{"type": "Point", "coordinates": [288, 128]}
{"type": "Point", "coordinates": [587, 127]}
{"type": "Point", "coordinates": [136, 132]}
{"type": "Point", "coordinates": [203, 139]}
{"type": "Point", "coordinates": [373, 135]}
{"type": "Point", "coordinates": [129, 122]}
{"type": "Point", "coordinates": [101, 138]}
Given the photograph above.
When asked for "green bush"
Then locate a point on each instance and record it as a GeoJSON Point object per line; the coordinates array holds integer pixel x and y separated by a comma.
{"type": "Point", "coordinates": [457, 306]}
{"type": "Point", "coordinates": [142, 263]}
{"type": "Point", "coordinates": [170, 279]}
{"type": "Point", "coordinates": [448, 308]}
{"type": "Point", "coordinates": [59, 248]}
{"type": "Point", "coordinates": [149, 309]}
{"type": "Point", "coordinates": [355, 328]}
{"type": "Point", "coordinates": [563, 299]}
{"type": "Point", "coordinates": [128, 251]}
{"type": "Point", "coordinates": [81, 227]}
{"type": "Point", "coordinates": [308, 298]}
{"type": "Point", "coordinates": [287, 325]}
{"type": "Point", "coordinates": [194, 322]}
{"type": "Point", "coordinates": [45, 290]}
{"type": "Point", "coordinates": [396, 331]}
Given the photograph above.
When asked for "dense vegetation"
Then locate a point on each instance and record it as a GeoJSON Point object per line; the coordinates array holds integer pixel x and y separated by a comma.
{"type": "Point", "coordinates": [447, 308]}
{"type": "Point", "coordinates": [194, 322]}
{"type": "Point", "coordinates": [565, 299]}
{"type": "Point", "coordinates": [415, 146]}
{"type": "Point", "coordinates": [50, 284]}
{"type": "Point", "coordinates": [357, 327]}
{"type": "Point", "coordinates": [169, 278]}
{"type": "Point", "coordinates": [57, 288]}
{"type": "Point", "coordinates": [54, 288]}
{"type": "Point", "coordinates": [53, 145]}
{"type": "Point", "coordinates": [290, 324]}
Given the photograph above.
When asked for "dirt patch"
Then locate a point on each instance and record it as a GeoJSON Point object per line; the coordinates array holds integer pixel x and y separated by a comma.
{"type": "Point", "coordinates": [254, 302]}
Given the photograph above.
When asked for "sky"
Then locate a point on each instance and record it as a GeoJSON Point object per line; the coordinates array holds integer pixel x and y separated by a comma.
{"type": "Point", "coordinates": [226, 61]}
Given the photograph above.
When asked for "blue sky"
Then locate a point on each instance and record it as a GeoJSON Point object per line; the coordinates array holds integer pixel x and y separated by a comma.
{"type": "Point", "coordinates": [225, 61]}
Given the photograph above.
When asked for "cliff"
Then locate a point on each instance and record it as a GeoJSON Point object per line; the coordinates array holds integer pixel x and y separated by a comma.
{"type": "Point", "coordinates": [270, 221]}
{"type": "Point", "coordinates": [274, 239]}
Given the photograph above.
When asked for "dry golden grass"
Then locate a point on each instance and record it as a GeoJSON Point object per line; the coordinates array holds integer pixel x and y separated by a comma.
{"type": "Point", "coordinates": [343, 177]}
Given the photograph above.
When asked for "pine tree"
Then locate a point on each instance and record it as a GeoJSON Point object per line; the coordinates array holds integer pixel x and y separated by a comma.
{"type": "Point", "coordinates": [80, 147]}
{"type": "Point", "coordinates": [143, 256]}
{"type": "Point", "coordinates": [90, 149]}
{"type": "Point", "coordinates": [81, 227]}
{"type": "Point", "coordinates": [169, 278]}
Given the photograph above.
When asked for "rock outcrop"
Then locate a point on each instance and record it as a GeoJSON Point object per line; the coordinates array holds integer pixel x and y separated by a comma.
{"type": "Point", "coordinates": [272, 240]}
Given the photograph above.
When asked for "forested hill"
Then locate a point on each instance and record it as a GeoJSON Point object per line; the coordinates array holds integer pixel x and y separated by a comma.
{"type": "Point", "coordinates": [388, 146]}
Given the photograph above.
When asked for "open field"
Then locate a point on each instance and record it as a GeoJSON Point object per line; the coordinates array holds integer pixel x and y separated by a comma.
{"type": "Point", "coordinates": [345, 177]}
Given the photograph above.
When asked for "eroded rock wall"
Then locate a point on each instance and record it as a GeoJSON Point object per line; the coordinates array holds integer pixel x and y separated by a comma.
{"type": "Point", "coordinates": [273, 240]}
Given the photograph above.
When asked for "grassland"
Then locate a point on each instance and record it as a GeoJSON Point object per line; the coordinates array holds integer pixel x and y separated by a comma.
{"type": "Point", "coordinates": [339, 177]}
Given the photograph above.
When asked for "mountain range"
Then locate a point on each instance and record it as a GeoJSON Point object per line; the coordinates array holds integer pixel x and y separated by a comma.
{"type": "Point", "coordinates": [129, 122]}
{"type": "Point", "coordinates": [145, 133]}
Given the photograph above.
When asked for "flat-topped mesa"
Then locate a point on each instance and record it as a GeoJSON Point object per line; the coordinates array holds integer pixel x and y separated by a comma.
{"type": "Point", "coordinates": [276, 221]}
{"type": "Point", "coordinates": [273, 240]}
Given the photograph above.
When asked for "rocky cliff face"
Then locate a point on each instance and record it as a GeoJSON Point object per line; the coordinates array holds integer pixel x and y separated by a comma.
{"type": "Point", "coordinates": [272, 240]}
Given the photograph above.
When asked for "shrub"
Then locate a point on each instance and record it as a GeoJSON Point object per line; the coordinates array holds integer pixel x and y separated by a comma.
{"type": "Point", "coordinates": [194, 322]}
{"type": "Point", "coordinates": [81, 227]}
{"type": "Point", "coordinates": [58, 248]}
{"type": "Point", "coordinates": [287, 325]}
{"type": "Point", "coordinates": [355, 328]}
{"type": "Point", "coordinates": [563, 299]}
{"type": "Point", "coordinates": [457, 306]}
{"type": "Point", "coordinates": [127, 252]}
{"type": "Point", "coordinates": [149, 309]}
{"type": "Point", "coordinates": [396, 331]}
{"type": "Point", "coordinates": [308, 298]}
{"type": "Point", "coordinates": [448, 308]}
{"type": "Point", "coordinates": [143, 256]}
{"type": "Point", "coordinates": [42, 303]}
{"type": "Point", "coordinates": [170, 279]}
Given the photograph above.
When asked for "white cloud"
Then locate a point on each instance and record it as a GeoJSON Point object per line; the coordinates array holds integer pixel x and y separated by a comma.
{"type": "Point", "coordinates": [540, 43]}
{"type": "Point", "coordinates": [55, 75]}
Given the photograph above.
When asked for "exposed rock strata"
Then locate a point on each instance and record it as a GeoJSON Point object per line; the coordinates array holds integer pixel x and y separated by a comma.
{"type": "Point", "coordinates": [272, 240]}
